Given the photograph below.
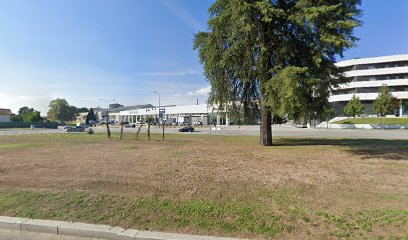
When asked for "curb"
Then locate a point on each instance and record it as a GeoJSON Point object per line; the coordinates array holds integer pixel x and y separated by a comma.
{"type": "Point", "coordinates": [93, 230]}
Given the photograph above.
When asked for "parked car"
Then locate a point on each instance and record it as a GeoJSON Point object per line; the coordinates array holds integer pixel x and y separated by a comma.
{"type": "Point", "coordinates": [75, 129]}
{"type": "Point", "coordinates": [301, 125]}
{"type": "Point", "coordinates": [130, 125]}
{"type": "Point", "coordinates": [198, 123]}
{"type": "Point", "coordinates": [186, 129]}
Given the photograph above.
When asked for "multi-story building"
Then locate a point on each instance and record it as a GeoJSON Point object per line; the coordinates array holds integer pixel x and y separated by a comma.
{"type": "Point", "coordinates": [366, 75]}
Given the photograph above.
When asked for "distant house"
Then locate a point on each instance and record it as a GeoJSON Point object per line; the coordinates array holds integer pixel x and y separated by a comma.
{"type": "Point", "coordinates": [81, 118]}
{"type": "Point", "coordinates": [5, 115]}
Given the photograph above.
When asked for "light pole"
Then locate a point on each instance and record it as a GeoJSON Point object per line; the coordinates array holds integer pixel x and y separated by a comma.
{"type": "Point", "coordinates": [107, 107]}
{"type": "Point", "coordinates": [159, 102]}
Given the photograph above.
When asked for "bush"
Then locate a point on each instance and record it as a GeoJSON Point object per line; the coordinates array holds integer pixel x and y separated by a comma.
{"type": "Point", "coordinates": [90, 131]}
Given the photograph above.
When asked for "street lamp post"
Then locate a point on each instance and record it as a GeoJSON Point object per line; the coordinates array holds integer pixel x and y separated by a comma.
{"type": "Point", "coordinates": [107, 107]}
{"type": "Point", "coordinates": [159, 104]}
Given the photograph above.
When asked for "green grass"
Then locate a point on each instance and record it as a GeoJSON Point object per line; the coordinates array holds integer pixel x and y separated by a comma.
{"type": "Point", "coordinates": [143, 213]}
{"type": "Point", "coordinates": [19, 145]}
{"type": "Point", "coordinates": [374, 120]}
{"type": "Point", "coordinates": [229, 218]}
{"type": "Point", "coordinates": [358, 223]}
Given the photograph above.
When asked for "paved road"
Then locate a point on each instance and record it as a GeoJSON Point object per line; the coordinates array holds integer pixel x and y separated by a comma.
{"type": "Point", "coordinates": [6, 234]}
{"type": "Point", "coordinates": [288, 131]}
{"type": "Point", "coordinates": [277, 131]}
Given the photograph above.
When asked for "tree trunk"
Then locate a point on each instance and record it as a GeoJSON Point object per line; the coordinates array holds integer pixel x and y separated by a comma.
{"type": "Point", "coordinates": [121, 131]}
{"type": "Point", "coordinates": [108, 130]}
{"type": "Point", "coordinates": [148, 130]}
{"type": "Point", "coordinates": [265, 128]}
{"type": "Point", "coordinates": [138, 131]}
{"type": "Point", "coordinates": [163, 130]}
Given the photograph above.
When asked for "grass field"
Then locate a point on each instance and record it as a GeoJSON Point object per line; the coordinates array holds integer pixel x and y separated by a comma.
{"type": "Point", "coordinates": [376, 120]}
{"type": "Point", "coordinates": [212, 185]}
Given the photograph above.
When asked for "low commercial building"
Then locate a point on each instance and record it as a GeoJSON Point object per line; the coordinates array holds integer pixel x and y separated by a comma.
{"type": "Point", "coordinates": [366, 75]}
{"type": "Point", "coordinates": [5, 115]}
{"type": "Point", "coordinates": [203, 113]}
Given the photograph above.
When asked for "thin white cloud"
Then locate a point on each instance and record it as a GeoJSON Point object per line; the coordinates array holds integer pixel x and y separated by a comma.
{"type": "Point", "coordinates": [199, 92]}
{"type": "Point", "coordinates": [183, 14]}
{"type": "Point", "coordinates": [173, 74]}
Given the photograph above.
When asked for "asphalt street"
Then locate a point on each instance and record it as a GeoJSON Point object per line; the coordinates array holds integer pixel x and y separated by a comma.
{"type": "Point", "coordinates": [277, 131]}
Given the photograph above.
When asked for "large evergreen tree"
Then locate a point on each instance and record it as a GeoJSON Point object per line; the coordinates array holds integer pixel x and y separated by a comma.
{"type": "Point", "coordinates": [278, 53]}
{"type": "Point", "coordinates": [90, 116]}
{"type": "Point", "coordinates": [354, 107]}
{"type": "Point", "coordinates": [385, 102]}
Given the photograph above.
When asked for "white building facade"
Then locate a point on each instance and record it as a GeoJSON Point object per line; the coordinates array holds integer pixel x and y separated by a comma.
{"type": "Point", "coordinates": [203, 113]}
{"type": "Point", "coordinates": [366, 75]}
{"type": "Point", "coordinates": [5, 115]}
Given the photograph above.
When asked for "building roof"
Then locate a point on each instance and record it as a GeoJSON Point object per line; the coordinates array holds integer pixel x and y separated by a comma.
{"type": "Point", "coordinates": [5, 111]}
{"type": "Point", "coordinates": [371, 60]}
{"type": "Point", "coordinates": [185, 109]}
{"type": "Point", "coordinates": [117, 110]}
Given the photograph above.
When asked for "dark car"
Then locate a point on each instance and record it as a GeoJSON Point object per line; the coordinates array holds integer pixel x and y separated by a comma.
{"type": "Point", "coordinates": [75, 129]}
{"type": "Point", "coordinates": [186, 129]}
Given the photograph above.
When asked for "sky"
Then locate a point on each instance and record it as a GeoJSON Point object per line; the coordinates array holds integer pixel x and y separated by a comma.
{"type": "Point", "coordinates": [124, 50]}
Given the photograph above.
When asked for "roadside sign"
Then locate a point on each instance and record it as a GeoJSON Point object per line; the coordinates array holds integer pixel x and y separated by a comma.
{"type": "Point", "coordinates": [162, 111]}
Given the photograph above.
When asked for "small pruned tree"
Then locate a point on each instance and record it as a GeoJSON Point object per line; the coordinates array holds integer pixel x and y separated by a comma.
{"type": "Point", "coordinates": [328, 113]}
{"type": "Point", "coordinates": [121, 130]}
{"type": "Point", "coordinates": [354, 107]}
{"type": "Point", "coordinates": [138, 130]}
{"type": "Point", "coordinates": [149, 123]}
{"type": "Point", "coordinates": [108, 132]}
{"type": "Point", "coordinates": [385, 102]}
{"type": "Point", "coordinates": [163, 123]}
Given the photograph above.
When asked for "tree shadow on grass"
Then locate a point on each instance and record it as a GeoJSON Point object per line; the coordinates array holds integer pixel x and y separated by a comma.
{"type": "Point", "coordinates": [367, 148]}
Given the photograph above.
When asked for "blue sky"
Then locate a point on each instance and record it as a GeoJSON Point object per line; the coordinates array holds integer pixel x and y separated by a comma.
{"type": "Point", "coordinates": [126, 49]}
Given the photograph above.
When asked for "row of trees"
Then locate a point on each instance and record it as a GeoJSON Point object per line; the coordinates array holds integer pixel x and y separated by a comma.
{"type": "Point", "coordinates": [26, 114]}
{"type": "Point", "coordinates": [385, 103]}
{"type": "Point", "coordinates": [59, 110]}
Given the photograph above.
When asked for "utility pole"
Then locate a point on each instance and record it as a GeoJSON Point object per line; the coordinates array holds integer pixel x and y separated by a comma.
{"type": "Point", "coordinates": [159, 103]}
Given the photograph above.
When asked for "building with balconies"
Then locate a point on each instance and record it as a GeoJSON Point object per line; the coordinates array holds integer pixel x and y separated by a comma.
{"type": "Point", "coordinates": [366, 75]}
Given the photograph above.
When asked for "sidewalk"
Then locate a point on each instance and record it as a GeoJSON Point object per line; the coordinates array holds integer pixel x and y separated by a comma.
{"type": "Point", "coordinates": [12, 226]}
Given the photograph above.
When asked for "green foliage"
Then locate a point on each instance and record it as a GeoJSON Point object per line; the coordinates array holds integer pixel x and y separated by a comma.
{"type": "Point", "coordinates": [90, 116]}
{"type": "Point", "coordinates": [385, 102]}
{"type": "Point", "coordinates": [82, 110]}
{"type": "Point", "coordinates": [354, 107]}
{"type": "Point", "coordinates": [279, 52]}
{"type": "Point", "coordinates": [328, 112]}
{"type": "Point", "coordinates": [15, 117]}
{"type": "Point", "coordinates": [60, 110]}
{"type": "Point", "coordinates": [26, 114]}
